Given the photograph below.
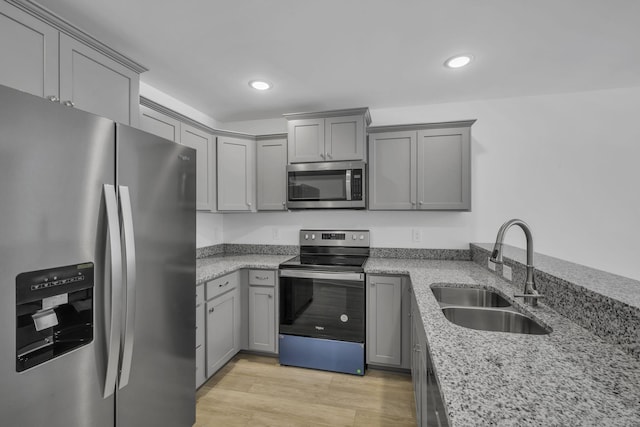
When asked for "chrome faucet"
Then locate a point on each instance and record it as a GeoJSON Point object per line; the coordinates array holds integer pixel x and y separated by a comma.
{"type": "Point", "coordinates": [530, 293]}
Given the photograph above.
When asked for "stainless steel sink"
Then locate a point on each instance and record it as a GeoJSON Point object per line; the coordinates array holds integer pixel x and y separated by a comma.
{"type": "Point", "coordinates": [486, 319]}
{"type": "Point", "coordinates": [468, 297]}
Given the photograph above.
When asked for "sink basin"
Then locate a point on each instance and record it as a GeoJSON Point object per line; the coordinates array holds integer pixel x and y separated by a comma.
{"type": "Point", "coordinates": [468, 297]}
{"type": "Point", "coordinates": [486, 319]}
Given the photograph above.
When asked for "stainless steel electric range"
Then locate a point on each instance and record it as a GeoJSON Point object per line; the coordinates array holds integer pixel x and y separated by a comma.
{"type": "Point", "coordinates": [322, 302]}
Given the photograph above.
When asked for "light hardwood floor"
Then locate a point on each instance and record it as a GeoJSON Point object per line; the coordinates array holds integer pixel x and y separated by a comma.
{"type": "Point", "coordinates": [256, 391]}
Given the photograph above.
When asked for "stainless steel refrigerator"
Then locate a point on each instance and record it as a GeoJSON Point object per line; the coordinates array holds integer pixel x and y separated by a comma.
{"type": "Point", "coordinates": [97, 271]}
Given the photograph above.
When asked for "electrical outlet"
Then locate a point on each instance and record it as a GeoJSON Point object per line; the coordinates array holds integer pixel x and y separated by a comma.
{"type": "Point", "coordinates": [491, 265]}
{"type": "Point", "coordinates": [507, 273]}
{"type": "Point", "coordinates": [275, 234]}
{"type": "Point", "coordinates": [416, 235]}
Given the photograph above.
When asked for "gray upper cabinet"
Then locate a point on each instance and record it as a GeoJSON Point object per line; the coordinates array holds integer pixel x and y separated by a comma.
{"type": "Point", "coordinates": [96, 83]}
{"type": "Point", "coordinates": [29, 52]}
{"type": "Point", "coordinates": [204, 144]}
{"type": "Point", "coordinates": [271, 164]}
{"type": "Point", "coordinates": [392, 171]}
{"type": "Point", "coordinates": [159, 124]}
{"type": "Point", "coordinates": [423, 167]}
{"type": "Point", "coordinates": [307, 140]}
{"type": "Point", "coordinates": [236, 174]}
{"type": "Point", "coordinates": [46, 56]}
{"type": "Point", "coordinates": [328, 135]}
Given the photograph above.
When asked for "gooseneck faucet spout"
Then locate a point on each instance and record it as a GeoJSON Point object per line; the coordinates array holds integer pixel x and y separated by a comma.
{"type": "Point", "coordinates": [530, 291]}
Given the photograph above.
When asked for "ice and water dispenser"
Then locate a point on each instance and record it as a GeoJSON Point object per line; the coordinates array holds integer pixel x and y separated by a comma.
{"type": "Point", "coordinates": [54, 313]}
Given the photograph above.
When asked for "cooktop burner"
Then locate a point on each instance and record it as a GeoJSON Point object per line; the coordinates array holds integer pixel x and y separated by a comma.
{"type": "Point", "coordinates": [330, 250]}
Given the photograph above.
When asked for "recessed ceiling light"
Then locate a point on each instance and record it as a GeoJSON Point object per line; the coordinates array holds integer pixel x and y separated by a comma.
{"type": "Point", "coordinates": [260, 84]}
{"type": "Point", "coordinates": [458, 61]}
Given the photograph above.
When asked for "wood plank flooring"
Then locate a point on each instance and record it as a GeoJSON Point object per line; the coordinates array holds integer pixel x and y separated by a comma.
{"type": "Point", "coordinates": [256, 391]}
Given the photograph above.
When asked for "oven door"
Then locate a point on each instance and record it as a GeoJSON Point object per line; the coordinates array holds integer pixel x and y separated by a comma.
{"type": "Point", "coordinates": [322, 305]}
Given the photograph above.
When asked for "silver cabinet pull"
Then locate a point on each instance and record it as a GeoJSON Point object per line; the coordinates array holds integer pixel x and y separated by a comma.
{"type": "Point", "coordinates": [212, 309]}
{"type": "Point", "coordinates": [413, 203]}
{"type": "Point", "coordinates": [421, 202]}
{"type": "Point", "coordinates": [329, 156]}
{"type": "Point", "coordinates": [270, 296]}
{"type": "Point", "coordinates": [53, 98]}
{"type": "Point", "coordinates": [261, 277]}
{"type": "Point", "coordinates": [322, 155]}
{"type": "Point", "coordinates": [68, 103]}
{"type": "Point", "coordinates": [223, 284]}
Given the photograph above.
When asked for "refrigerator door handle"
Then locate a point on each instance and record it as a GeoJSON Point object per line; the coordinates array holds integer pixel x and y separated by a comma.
{"type": "Point", "coordinates": [130, 281]}
{"type": "Point", "coordinates": [115, 285]}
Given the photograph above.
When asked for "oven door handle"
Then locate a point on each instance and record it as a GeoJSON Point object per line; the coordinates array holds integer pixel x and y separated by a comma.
{"type": "Point", "coordinates": [304, 274]}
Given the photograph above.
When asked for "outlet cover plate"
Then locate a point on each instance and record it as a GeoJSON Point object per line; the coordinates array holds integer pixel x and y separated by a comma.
{"type": "Point", "coordinates": [507, 273]}
{"type": "Point", "coordinates": [491, 265]}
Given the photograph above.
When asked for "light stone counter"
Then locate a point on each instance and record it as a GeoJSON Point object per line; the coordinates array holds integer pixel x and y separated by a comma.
{"type": "Point", "coordinates": [212, 267]}
{"type": "Point", "coordinates": [569, 377]}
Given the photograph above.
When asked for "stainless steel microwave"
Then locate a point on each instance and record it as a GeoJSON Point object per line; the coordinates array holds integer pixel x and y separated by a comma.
{"type": "Point", "coordinates": [327, 185]}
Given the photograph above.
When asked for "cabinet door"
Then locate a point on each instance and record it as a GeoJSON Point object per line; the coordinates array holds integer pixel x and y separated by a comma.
{"type": "Point", "coordinates": [204, 144]}
{"type": "Point", "coordinates": [262, 318]}
{"type": "Point", "coordinates": [159, 124]}
{"type": "Point", "coordinates": [271, 159]}
{"type": "Point", "coordinates": [384, 320]}
{"type": "Point", "coordinates": [236, 174]}
{"type": "Point", "coordinates": [223, 329]}
{"type": "Point", "coordinates": [444, 169]}
{"type": "Point", "coordinates": [97, 84]}
{"type": "Point", "coordinates": [392, 170]}
{"type": "Point", "coordinates": [344, 138]}
{"type": "Point", "coordinates": [306, 140]}
{"type": "Point", "coordinates": [29, 52]}
{"type": "Point", "coordinates": [201, 376]}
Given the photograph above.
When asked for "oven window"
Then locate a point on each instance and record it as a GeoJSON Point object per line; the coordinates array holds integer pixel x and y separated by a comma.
{"type": "Point", "coordinates": [317, 185]}
{"type": "Point", "coordinates": [320, 308]}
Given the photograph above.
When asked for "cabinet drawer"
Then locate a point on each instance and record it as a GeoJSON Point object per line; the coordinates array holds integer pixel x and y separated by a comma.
{"type": "Point", "coordinates": [199, 325]}
{"type": "Point", "coordinates": [199, 294]}
{"type": "Point", "coordinates": [262, 277]}
{"type": "Point", "coordinates": [221, 285]}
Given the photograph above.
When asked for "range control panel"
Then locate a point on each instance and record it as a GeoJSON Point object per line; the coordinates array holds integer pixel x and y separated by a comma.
{"type": "Point", "coordinates": [359, 238]}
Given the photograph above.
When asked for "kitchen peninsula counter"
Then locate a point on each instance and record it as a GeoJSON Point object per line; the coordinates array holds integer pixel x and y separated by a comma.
{"type": "Point", "coordinates": [568, 377]}
{"type": "Point", "coordinates": [212, 267]}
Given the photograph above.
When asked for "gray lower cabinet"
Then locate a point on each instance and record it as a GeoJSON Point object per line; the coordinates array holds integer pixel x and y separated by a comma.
{"type": "Point", "coordinates": [388, 321]}
{"type": "Point", "coordinates": [271, 170]}
{"type": "Point", "coordinates": [420, 167]}
{"type": "Point", "coordinates": [48, 57]}
{"type": "Point", "coordinates": [430, 410]}
{"type": "Point", "coordinates": [201, 375]}
{"type": "Point", "coordinates": [262, 311]}
{"type": "Point", "coordinates": [222, 311]}
{"type": "Point", "coordinates": [236, 174]}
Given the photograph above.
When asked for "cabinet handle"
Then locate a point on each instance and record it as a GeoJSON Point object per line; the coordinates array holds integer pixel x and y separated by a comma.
{"type": "Point", "coordinates": [53, 98]}
{"type": "Point", "coordinates": [68, 103]}
{"type": "Point", "coordinates": [249, 204]}
{"type": "Point", "coordinates": [413, 203]}
{"type": "Point", "coordinates": [284, 203]}
{"type": "Point", "coordinates": [322, 155]}
{"type": "Point", "coordinates": [329, 156]}
{"type": "Point", "coordinates": [421, 202]}
{"type": "Point", "coordinates": [270, 296]}
{"type": "Point", "coordinates": [223, 284]}
{"type": "Point", "coordinates": [211, 309]}
{"type": "Point", "coordinates": [261, 277]}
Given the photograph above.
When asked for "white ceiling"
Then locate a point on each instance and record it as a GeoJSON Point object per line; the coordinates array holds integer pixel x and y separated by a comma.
{"type": "Point", "coordinates": [333, 54]}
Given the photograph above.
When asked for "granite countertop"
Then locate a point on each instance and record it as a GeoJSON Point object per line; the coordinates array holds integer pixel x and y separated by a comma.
{"type": "Point", "coordinates": [568, 377]}
{"type": "Point", "coordinates": [215, 266]}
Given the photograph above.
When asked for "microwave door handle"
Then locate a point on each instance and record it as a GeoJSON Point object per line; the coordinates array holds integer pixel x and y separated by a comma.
{"type": "Point", "coordinates": [347, 183]}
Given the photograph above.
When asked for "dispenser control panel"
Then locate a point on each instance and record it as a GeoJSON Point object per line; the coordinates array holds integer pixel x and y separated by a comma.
{"type": "Point", "coordinates": [54, 313]}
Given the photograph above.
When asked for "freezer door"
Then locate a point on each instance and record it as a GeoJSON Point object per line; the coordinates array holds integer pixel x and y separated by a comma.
{"type": "Point", "coordinates": [54, 161]}
{"type": "Point", "coordinates": [159, 177]}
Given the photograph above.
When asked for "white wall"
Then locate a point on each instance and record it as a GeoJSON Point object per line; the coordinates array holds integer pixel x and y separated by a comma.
{"type": "Point", "coordinates": [568, 164]}
{"type": "Point", "coordinates": [209, 229]}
